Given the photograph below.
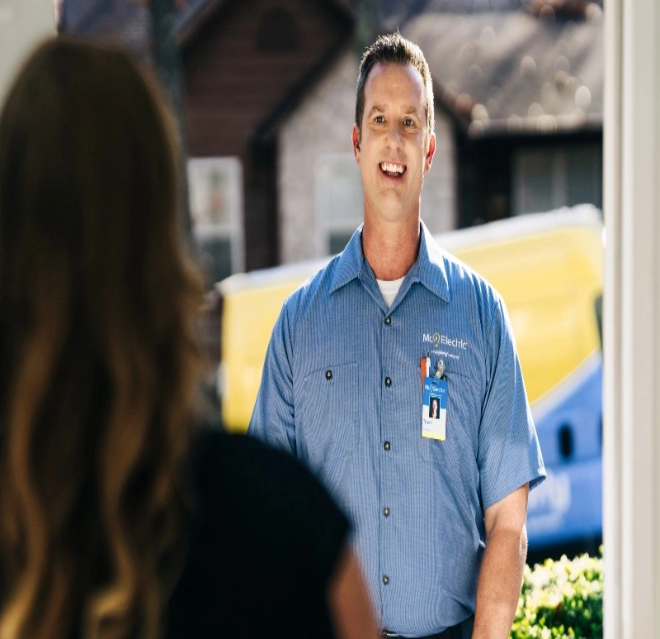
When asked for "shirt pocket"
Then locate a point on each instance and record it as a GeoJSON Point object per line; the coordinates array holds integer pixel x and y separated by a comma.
{"type": "Point", "coordinates": [463, 418]}
{"type": "Point", "coordinates": [326, 419]}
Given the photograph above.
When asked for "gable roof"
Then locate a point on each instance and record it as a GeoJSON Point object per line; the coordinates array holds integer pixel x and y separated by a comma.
{"type": "Point", "coordinates": [511, 72]}
{"type": "Point", "coordinates": [194, 14]}
{"type": "Point", "coordinates": [260, 97]}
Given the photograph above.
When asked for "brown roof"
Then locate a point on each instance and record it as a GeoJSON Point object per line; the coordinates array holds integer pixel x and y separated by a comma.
{"type": "Point", "coordinates": [194, 14]}
{"type": "Point", "coordinates": [513, 72]}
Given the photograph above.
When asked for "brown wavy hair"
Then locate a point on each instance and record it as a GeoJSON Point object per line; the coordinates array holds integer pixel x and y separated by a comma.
{"type": "Point", "coordinates": [98, 362]}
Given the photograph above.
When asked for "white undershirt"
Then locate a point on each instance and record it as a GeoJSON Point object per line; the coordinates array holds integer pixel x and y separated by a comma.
{"type": "Point", "coordinates": [389, 289]}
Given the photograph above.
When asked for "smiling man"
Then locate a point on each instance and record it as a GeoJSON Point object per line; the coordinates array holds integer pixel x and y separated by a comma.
{"type": "Point", "coordinates": [438, 502]}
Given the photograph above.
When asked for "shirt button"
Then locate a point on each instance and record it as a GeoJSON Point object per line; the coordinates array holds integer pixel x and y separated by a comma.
{"type": "Point", "coordinates": [387, 445]}
{"type": "Point", "coordinates": [386, 579]}
{"type": "Point", "coordinates": [388, 382]}
{"type": "Point", "coordinates": [386, 512]}
{"type": "Point", "coordinates": [328, 374]}
{"type": "Point", "coordinates": [388, 320]}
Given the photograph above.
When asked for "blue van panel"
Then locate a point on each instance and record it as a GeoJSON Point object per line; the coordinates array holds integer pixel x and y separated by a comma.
{"type": "Point", "coordinates": [568, 506]}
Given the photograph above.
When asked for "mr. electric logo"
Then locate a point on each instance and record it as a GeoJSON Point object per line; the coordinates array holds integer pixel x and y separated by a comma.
{"type": "Point", "coordinates": [438, 339]}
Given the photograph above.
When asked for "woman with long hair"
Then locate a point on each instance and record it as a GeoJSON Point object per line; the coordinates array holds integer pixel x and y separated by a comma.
{"type": "Point", "coordinates": [117, 519]}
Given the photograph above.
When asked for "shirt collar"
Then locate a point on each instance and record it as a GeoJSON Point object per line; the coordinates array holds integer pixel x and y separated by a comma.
{"type": "Point", "coordinates": [349, 264]}
{"type": "Point", "coordinates": [429, 268]}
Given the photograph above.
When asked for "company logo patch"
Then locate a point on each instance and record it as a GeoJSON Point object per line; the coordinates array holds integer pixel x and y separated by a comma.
{"type": "Point", "coordinates": [438, 339]}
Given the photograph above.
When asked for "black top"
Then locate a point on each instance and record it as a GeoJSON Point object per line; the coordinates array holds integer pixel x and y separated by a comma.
{"type": "Point", "coordinates": [265, 539]}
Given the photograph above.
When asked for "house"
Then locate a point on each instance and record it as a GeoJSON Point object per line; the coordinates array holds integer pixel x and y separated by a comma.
{"type": "Point", "coordinates": [245, 63]}
{"type": "Point", "coordinates": [518, 104]}
{"type": "Point", "coordinates": [269, 101]}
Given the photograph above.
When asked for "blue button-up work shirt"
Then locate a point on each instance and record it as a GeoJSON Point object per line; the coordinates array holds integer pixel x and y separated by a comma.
{"type": "Point", "coordinates": [341, 390]}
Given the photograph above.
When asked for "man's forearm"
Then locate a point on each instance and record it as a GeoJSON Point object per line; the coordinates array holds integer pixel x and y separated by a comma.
{"type": "Point", "coordinates": [499, 583]}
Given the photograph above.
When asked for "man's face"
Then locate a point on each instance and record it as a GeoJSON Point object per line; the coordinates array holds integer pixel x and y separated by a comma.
{"type": "Point", "coordinates": [395, 148]}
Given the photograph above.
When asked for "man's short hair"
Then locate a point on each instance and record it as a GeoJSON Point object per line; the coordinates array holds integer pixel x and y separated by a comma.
{"type": "Point", "coordinates": [394, 48]}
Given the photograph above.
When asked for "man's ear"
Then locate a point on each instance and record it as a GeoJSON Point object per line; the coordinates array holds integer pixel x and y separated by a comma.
{"type": "Point", "coordinates": [355, 137]}
{"type": "Point", "coordinates": [430, 152]}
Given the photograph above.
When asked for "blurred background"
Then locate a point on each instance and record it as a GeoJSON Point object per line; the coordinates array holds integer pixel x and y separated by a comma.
{"type": "Point", "coordinates": [265, 95]}
{"type": "Point", "coordinates": [266, 92]}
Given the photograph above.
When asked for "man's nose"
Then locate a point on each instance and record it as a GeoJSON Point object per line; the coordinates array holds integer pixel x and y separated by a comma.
{"type": "Point", "coordinates": [394, 138]}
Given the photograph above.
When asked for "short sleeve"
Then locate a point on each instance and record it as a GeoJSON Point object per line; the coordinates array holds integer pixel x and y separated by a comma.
{"type": "Point", "coordinates": [509, 452]}
{"type": "Point", "coordinates": [272, 417]}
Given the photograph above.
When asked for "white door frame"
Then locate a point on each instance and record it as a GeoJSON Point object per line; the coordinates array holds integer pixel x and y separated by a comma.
{"type": "Point", "coordinates": [631, 318]}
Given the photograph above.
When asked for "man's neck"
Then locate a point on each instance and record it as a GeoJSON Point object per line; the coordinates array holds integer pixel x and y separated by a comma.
{"type": "Point", "coordinates": [390, 248]}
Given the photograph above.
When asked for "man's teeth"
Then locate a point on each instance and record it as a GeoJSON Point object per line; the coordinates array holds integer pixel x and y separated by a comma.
{"type": "Point", "coordinates": [392, 168]}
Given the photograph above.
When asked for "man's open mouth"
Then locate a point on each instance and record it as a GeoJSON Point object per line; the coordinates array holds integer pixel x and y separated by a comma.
{"type": "Point", "coordinates": [391, 169]}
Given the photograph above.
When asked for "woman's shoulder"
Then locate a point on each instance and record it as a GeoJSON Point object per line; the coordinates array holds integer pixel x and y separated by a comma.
{"type": "Point", "coordinates": [264, 541]}
{"type": "Point", "coordinates": [241, 458]}
{"type": "Point", "coordinates": [239, 473]}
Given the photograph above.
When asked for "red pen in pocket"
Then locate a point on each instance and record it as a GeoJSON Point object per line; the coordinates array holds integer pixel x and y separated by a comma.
{"type": "Point", "coordinates": [422, 368]}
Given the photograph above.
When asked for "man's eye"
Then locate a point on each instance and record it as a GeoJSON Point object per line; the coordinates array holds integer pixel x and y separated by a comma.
{"type": "Point", "coordinates": [408, 122]}
{"type": "Point", "coordinates": [379, 119]}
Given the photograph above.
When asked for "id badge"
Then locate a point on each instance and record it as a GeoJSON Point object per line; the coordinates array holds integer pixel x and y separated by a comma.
{"type": "Point", "coordinates": [434, 408]}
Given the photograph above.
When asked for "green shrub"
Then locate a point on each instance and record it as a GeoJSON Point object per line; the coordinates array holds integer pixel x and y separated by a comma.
{"type": "Point", "coordinates": [561, 600]}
